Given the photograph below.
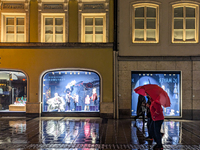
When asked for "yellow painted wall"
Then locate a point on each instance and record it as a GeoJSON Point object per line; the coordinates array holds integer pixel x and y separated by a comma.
{"type": "Point", "coordinates": [35, 61]}
{"type": "Point", "coordinates": [34, 21]}
{"type": "Point", "coordinates": [73, 21]}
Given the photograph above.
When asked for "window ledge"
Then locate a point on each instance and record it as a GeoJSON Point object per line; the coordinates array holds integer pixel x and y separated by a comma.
{"type": "Point", "coordinates": [56, 45]}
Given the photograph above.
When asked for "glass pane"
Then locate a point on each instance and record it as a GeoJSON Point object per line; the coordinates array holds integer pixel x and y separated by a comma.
{"type": "Point", "coordinates": [9, 21]}
{"type": "Point", "coordinates": [190, 35]}
{"type": "Point", "coordinates": [59, 38]}
{"type": "Point", "coordinates": [20, 21]}
{"type": "Point", "coordinates": [9, 37]}
{"type": "Point", "coordinates": [139, 35]}
{"type": "Point", "coordinates": [151, 12]}
{"type": "Point", "coordinates": [151, 23]}
{"type": "Point", "coordinates": [88, 38]}
{"type": "Point", "coordinates": [20, 38]}
{"type": "Point", "coordinates": [61, 91]}
{"type": "Point", "coordinates": [59, 30]}
{"type": "Point", "coordinates": [98, 21]}
{"type": "Point", "coordinates": [139, 23]}
{"type": "Point", "coordinates": [13, 90]}
{"type": "Point", "coordinates": [178, 35]}
{"type": "Point", "coordinates": [10, 29]}
{"type": "Point", "coordinates": [20, 29]}
{"type": "Point", "coordinates": [49, 38]}
{"type": "Point", "coordinates": [139, 12]}
{"type": "Point", "coordinates": [190, 23]}
{"type": "Point", "coordinates": [58, 21]}
{"type": "Point", "coordinates": [88, 30]}
{"type": "Point", "coordinates": [88, 21]}
{"type": "Point", "coordinates": [49, 30]}
{"type": "Point", "coordinates": [48, 21]}
{"type": "Point", "coordinates": [178, 12]}
{"type": "Point", "coordinates": [178, 23]}
{"type": "Point", "coordinates": [190, 12]}
{"type": "Point", "coordinates": [98, 30]}
{"type": "Point", "coordinates": [151, 35]}
{"type": "Point", "coordinates": [99, 38]}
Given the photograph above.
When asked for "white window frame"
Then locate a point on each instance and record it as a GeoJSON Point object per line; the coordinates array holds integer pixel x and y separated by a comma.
{"type": "Point", "coordinates": [51, 15]}
{"type": "Point", "coordinates": [145, 5]}
{"type": "Point", "coordinates": [3, 23]}
{"type": "Point", "coordinates": [93, 15]}
{"type": "Point", "coordinates": [184, 22]}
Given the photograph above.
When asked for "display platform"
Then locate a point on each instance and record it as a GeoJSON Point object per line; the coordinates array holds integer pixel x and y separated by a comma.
{"type": "Point", "coordinates": [14, 107]}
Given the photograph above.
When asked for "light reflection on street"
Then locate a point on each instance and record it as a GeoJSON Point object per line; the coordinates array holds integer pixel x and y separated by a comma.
{"type": "Point", "coordinates": [70, 131]}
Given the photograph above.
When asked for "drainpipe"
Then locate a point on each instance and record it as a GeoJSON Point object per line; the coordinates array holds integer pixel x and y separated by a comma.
{"type": "Point", "coordinates": [115, 63]}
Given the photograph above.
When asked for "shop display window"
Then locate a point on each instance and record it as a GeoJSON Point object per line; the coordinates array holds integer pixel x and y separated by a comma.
{"type": "Point", "coordinates": [170, 81]}
{"type": "Point", "coordinates": [71, 91]}
{"type": "Point", "coordinates": [13, 91]}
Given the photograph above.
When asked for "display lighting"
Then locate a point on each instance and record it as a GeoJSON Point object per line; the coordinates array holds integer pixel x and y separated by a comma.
{"type": "Point", "coordinates": [169, 74]}
{"type": "Point", "coordinates": [59, 72]}
{"type": "Point", "coordinates": [65, 72]}
{"type": "Point", "coordinates": [70, 72]}
{"type": "Point", "coordinates": [85, 72]}
{"type": "Point", "coordinates": [78, 72]}
{"type": "Point", "coordinates": [139, 74]}
{"type": "Point", "coordinates": [23, 79]}
{"type": "Point", "coordinates": [173, 74]}
{"type": "Point", "coordinates": [164, 74]}
{"type": "Point", "coordinates": [147, 74]}
{"type": "Point", "coordinates": [52, 72]}
{"type": "Point", "coordinates": [143, 74]}
{"type": "Point", "coordinates": [74, 72]}
{"type": "Point", "coordinates": [89, 72]}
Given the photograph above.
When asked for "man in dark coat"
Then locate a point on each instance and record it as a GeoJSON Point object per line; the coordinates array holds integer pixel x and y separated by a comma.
{"type": "Point", "coordinates": [141, 107]}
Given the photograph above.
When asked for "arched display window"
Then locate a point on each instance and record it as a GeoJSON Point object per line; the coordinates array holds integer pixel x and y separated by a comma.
{"type": "Point", "coordinates": [13, 90]}
{"type": "Point", "coordinates": [70, 91]}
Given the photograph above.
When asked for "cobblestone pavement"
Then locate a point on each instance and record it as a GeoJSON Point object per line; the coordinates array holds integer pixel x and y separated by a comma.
{"type": "Point", "coordinates": [48, 133]}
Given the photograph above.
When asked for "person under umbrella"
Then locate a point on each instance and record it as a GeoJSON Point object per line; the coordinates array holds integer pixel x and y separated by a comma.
{"type": "Point", "coordinates": [158, 118]}
{"type": "Point", "coordinates": [158, 97]}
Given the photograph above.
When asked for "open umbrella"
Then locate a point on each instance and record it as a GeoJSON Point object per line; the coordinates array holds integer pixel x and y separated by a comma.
{"type": "Point", "coordinates": [156, 93]}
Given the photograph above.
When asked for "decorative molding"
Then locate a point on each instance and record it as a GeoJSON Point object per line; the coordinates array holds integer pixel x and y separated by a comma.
{"type": "Point", "coordinates": [39, 6]}
{"type": "Point", "coordinates": [106, 6]}
{"type": "Point", "coordinates": [26, 6]}
{"type": "Point", "coordinates": [93, 6]}
{"type": "Point", "coordinates": [13, 6]}
{"type": "Point", "coordinates": [52, 6]}
{"type": "Point", "coordinates": [65, 6]}
{"type": "Point", "coordinates": [80, 6]}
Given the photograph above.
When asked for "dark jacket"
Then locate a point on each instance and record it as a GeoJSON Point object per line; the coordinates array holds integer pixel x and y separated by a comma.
{"type": "Point", "coordinates": [141, 104]}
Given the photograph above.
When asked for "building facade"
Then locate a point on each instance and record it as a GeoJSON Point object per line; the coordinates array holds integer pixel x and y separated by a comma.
{"type": "Point", "coordinates": [159, 44]}
{"type": "Point", "coordinates": [56, 58]}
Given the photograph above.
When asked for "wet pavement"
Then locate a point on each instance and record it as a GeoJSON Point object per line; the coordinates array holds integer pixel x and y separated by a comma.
{"type": "Point", "coordinates": [50, 133]}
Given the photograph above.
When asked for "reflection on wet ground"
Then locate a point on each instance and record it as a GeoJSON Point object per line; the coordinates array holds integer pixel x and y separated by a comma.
{"type": "Point", "coordinates": [93, 133]}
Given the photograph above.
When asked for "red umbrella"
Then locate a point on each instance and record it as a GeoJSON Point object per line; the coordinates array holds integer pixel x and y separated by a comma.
{"type": "Point", "coordinates": [155, 92]}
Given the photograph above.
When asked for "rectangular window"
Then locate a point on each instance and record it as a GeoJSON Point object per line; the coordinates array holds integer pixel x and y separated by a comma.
{"type": "Point", "coordinates": [53, 28]}
{"type": "Point", "coordinates": [184, 24]}
{"type": "Point", "coordinates": [145, 23]}
{"type": "Point", "coordinates": [94, 29]}
{"type": "Point", "coordinates": [14, 29]}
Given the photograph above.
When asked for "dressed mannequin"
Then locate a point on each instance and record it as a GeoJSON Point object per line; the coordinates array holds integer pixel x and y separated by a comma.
{"type": "Point", "coordinates": [87, 102]}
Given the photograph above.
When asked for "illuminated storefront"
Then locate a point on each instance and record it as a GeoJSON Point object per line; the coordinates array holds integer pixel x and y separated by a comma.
{"type": "Point", "coordinates": [13, 91]}
{"type": "Point", "coordinates": [169, 80]}
{"type": "Point", "coordinates": [71, 91]}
